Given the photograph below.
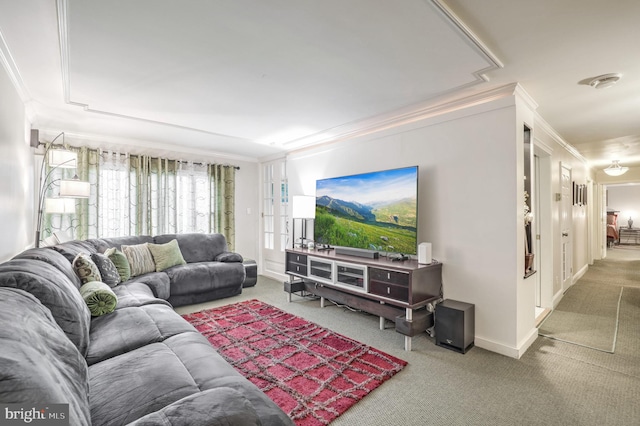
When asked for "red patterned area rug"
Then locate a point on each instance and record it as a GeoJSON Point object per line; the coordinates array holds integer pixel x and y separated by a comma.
{"type": "Point", "coordinates": [312, 373]}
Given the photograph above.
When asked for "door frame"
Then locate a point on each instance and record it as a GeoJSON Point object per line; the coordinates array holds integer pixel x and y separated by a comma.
{"type": "Point", "coordinates": [566, 231]}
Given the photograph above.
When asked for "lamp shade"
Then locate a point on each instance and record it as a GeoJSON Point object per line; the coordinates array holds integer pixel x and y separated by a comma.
{"type": "Point", "coordinates": [74, 188]}
{"type": "Point", "coordinates": [63, 159]}
{"type": "Point", "coordinates": [304, 207]}
{"type": "Point", "coordinates": [59, 205]}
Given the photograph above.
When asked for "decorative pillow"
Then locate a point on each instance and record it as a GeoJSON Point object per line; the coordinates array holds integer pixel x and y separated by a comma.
{"type": "Point", "coordinates": [166, 255]}
{"type": "Point", "coordinates": [99, 297]}
{"type": "Point", "coordinates": [85, 268]}
{"type": "Point", "coordinates": [120, 262]}
{"type": "Point", "coordinates": [108, 270]}
{"type": "Point", "coordinates": [140, 259]}
{"type": "Point", "coordinates": [228, 256]}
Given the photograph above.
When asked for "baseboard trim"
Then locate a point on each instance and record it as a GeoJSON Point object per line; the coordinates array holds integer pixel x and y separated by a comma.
{"type": "Point", "coordinates": [579, 274]}
{"type": "Point", "coordinates": [505, 350]}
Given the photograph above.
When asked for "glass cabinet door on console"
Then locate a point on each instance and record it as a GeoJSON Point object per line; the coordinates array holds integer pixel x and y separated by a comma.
{"type": "Point", "coordinates": [321, 269]}
{"type": "Point", "coordinates": [351, 276]}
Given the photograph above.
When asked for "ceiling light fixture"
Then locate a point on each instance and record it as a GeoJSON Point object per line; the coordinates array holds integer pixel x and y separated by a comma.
{"type": "Point", "coordinates": [605, 80]}
{"type": "Point", "coordinates": [615, 169]}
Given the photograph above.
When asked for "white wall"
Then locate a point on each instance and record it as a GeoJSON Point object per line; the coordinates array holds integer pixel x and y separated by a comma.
{"type": "Point", "coordinates": [17, 171]}
{"type": "Point", "coordinates": [626, 200]}
{"type": "Point", "coordinates": [247, 210]}
{"type": "Point", "coordinates": [469, 188]}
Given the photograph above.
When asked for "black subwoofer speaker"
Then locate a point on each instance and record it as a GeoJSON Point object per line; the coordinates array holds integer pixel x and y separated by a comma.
{"type": "Point", "coordinates": [455, 325]}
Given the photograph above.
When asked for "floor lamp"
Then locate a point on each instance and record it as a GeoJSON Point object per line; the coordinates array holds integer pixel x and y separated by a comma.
{"type": "Point", "coordinates": [69, 188]}
{"type": "Point", "coordinates": [304, 208]}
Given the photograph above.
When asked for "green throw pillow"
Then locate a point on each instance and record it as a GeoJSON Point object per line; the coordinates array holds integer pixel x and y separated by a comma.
{"type": "Point", "coordinates": [166, 255]}
{"type": "Point", "coordinates": [99, 297]}
{"type": "Point", "coordinates": [85, 268]}
{"type": "Point", "coordinates": [140, 259]}
{"type": "Point", "coordinates": [121, 263]}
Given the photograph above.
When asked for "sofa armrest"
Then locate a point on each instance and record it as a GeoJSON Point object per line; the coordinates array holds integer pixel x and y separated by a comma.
{"type": "Point", "coordinates": [210, 407]}
{"type": "Point", "coordinates": [228, 256]}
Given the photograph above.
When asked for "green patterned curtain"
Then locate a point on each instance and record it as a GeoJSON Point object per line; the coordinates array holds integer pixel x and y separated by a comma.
{"type": "Point", "coordinates": [143, 195]}
{"type": "Point", "coordinates": [223, 183]}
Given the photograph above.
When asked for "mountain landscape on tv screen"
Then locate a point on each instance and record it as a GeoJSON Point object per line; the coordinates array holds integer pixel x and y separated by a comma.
{"type": "Point", "coordinates": [388, 226]}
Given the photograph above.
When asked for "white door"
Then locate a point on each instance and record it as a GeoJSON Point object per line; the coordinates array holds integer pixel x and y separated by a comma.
{"type": "Point", "coordinates": [274, 224]}
{"type": "Point", "coordinates": [566, 220]}
{"type": "Point", "coordinates": [536, 226]}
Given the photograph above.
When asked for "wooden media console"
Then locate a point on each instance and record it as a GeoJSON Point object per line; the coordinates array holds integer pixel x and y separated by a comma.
{"type": "Point", "coordinates": [396, 291]}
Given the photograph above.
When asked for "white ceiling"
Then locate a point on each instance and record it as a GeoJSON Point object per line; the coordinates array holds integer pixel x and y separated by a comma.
{"type": "Point", "coordinates": [249, 79]}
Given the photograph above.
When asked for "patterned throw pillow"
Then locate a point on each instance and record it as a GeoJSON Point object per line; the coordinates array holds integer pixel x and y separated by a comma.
{"type": "Point", "coordinates": [120, 262]}
{"type": "Point", "coordinates": [86, 269]}
{"type": "Point", "coordinates": [99, 297]}
{"type": "Point", "coordinates": [166, 255]}
{"type": "Point", "coordinates": [108, 270]}
{"type": "Point", "coordinates": [140, 259]}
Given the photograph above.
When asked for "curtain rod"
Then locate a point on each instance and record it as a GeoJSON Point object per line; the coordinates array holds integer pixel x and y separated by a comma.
{"type": "Point", "coordinates": [155, 158]}
{"type": "Point", "coordinates": [202, 164]}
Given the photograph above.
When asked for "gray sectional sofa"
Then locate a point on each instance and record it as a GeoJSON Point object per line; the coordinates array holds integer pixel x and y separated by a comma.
{"type": "Point", "coordinates": [141, 364]}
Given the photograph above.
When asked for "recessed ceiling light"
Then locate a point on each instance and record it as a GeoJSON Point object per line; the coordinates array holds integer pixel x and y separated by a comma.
{"type": "Point", "coordinates": [605, 80]}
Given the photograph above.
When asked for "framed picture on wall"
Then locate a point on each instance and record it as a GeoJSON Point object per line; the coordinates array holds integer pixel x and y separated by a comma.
{"type": "Point", "coordinates": [579, 195]}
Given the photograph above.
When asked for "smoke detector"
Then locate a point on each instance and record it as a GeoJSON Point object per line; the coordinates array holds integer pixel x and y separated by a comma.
{"type": "Point", "coordinates": [605, 80]}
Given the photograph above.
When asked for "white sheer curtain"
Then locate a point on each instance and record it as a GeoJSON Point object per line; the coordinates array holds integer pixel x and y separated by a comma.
{"type": "Point", "coordinates": [142, 195]}
{"type": "Point", "coordinates": [194, 201]}
{"type": "Point", "coordinates": [113, 194]}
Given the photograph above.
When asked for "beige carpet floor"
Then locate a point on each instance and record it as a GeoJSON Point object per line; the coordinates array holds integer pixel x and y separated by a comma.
{"type": "Point", "coordinates": [554, 383]}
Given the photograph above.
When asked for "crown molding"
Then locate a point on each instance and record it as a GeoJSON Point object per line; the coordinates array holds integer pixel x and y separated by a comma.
{"type": "Point", "coordinates": [540, 123]}
{"type": "Point", "coordinates": [12, 70]}
{"type": "Point", "coordinates": [16, 79]}
{"type": "Point", "coordinates": [470, 37]}
{"type": "Point", "coordinates": [137, 146]}
{"type": "Point", "coordinates": [524, 95]}
{"type": "Point", "coordinates": [436, 108]}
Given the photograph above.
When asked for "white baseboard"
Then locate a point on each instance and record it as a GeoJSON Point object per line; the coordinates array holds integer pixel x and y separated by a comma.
{"type": "Point", "coordinates": [579, 274]}
{"type": "Point", "coordinates": [505, 350]}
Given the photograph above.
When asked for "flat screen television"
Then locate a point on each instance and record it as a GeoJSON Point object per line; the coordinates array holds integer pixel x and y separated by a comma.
{"type": "Point", "coordinates": [375, 211]}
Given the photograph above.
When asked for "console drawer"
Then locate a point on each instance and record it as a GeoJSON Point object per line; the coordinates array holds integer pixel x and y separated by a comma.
{"type": "Point", "coordinates": [391, 277]}
{"type": "Point", "coordinates": [297, 269]}
{"type": "Point", "coordinates": [389, 290]}
{"type": "Point", "coordinates": [297, 263]}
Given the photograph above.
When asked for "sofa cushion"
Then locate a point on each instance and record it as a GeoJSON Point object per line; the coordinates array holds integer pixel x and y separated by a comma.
{"type": "Point", "coordinates": [131, 240]}
{"type": "Point", "coordinates": [108, 271]}
{"type": "Point", "coordinates": [168, 371]}
{"type": "Point", "coordinates": [53, 258]}
{"type": "Point", "coordinates": [209, 371]}
{"type": "Point", "coordinates": [37, 362]}
{"type": "Point", "coordinates": [133, 293]}
{"type": "Point", "coordinates": [140, 259]}
{"type": "Point", "coordinates": [55, 291]}
{"type": "Point", "coordinates": [194, 278]}
{"type": "Point", "coordinates": [158, 282]}
{"type": "Point", "coordinates": [120, 262]}
{"type": "Point", "coordinates": [71, 249]}
{"type": "Point", "coordinates": [166, 255]}
{"type": "Point", "coordinates": [220, 406]}
{"type": "Point", "coordinates": [86, 269]}
{"type": "Point", "coordinates": [196, 247]}
{"type": "Point", "coordinates": [136, 383]}
{"type": "Point", "coordinates": [130, 328]}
